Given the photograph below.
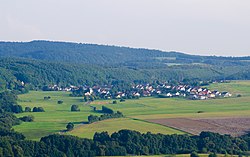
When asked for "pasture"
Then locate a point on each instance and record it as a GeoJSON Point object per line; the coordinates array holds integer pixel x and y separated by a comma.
{"type": "Point", "coordinates": [56, 116]}
{"type": "Point", "coordinates": [154, 108]}
{"type": "Point", "coordinates": [114, 125]}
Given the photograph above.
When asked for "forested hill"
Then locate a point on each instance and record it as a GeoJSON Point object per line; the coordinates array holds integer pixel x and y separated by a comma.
{"type": "Point", "coordinates": [79, 53]}
{"type": "Point", "coordinates": [41, 63]}
{"type": "Point", "coordinates": [109, 55]}
{"type": "Point", "coordinates": [41, 73]}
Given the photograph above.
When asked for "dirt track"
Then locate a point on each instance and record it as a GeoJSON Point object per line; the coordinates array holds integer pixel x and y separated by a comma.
{"type": "Point", "coordinates": [232, 126]}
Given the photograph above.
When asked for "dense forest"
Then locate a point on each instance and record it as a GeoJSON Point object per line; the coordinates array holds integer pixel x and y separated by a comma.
{"type": "Point", "coordinates": [107, 55]}
{"type": "Point", "coordinates": [36, 74]}
{"type": "Point", "coordinates": [41, 63]}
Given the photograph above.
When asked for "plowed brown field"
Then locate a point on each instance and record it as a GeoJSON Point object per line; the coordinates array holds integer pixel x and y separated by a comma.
{"type": "Point", "coordinates": [234, 126]}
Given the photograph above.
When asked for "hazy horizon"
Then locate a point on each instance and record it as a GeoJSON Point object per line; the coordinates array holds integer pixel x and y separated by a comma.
{"type": "Point", "coordinates": [196, 27]}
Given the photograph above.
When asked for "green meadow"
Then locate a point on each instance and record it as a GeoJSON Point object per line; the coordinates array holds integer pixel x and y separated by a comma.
{"type": "Point", "coordinates": [56, 116]}
{"type": "Point", "coordinates": [153, 108]}
{"type": "Point", "coordinates": [114, 125]}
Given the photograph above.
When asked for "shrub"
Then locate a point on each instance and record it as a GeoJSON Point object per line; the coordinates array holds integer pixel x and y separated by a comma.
{"type": "Point", "coordinates": [212, 155]}
{"type": "Point", "coordinates": [29, 118]}
{"type": "Point", "coordinates": [114, 102]}
{"type": "Point", "coordinates": [38, 109]}
{"type": "Point", "coordinates": [194, 154]}
{"type": "Point", "coordinates": [34, 109]}
{"type": "Point", "coordinates": [59, 101]}
{"type": "Point", "coordinates": [27, 109]}
{"type": "Point", "coordinates": [75, 108]}
{"type": "Point", "coordinates": [70, 126]}
{"type": "Point", "coordinates": [47, 98]}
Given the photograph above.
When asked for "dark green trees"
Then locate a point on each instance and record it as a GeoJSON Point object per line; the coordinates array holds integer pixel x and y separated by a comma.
{"type": "Point", "coordinates": [29, 118]}
{"type": "Point", "coordinates": [8, 102]}
{"type": "Point", "coordinates": [107, 110]}
{"type": "Point", "coordinates": [60, 102]}
{"type": "Point", "coordinates": [70, 126]}
{"type": "Point", "coordinates": [75, 108]}
{"type": "Point", "coordinates": [38, 109]}
{"type": "Point", "coordinates": [27, 109]}
{"type": "Point", "coordinates": [194, 154]}
{"type": "Point", "coordinates": [92, 118]}
{"type": "Point", "coordinates": [17, 109]}
{"type": "Point", "coordinates": [212, 155]}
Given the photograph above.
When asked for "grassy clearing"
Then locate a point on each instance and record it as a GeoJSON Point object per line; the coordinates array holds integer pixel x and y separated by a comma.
{"type": "Point", "coordinates": [57, 116]}
{"type": "Point", "coordinates": [114, 125]}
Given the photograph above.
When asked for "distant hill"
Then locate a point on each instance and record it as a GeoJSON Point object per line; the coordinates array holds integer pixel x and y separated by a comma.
{"type": "Point", "coordinates": [242, 75]}
{"type": "Point", "coordinates": [108, 55]}
{"type": "Point", "coordinates": [42, 63]}
{"type": "Point", "coordinates": [40, 73]}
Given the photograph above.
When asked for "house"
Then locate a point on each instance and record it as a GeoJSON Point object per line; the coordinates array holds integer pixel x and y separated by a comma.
{"type": "Point", "coordinates": [194, 97]}
{"type": "Point", "coordinates": [203, 97]}
{"type": "Point", "coordinates": [169, 95]}
{"type": "Point", "coordinates": [137, 94]}
{"type": "Point", "coordinates": [200, 89]}
{"type": "Point", "coordinates": [177, 94]}
{"type": "Point", "coordinates": [158, 92]}
{"type": "Point", "coordinates": [226, 94]}
{"type": "Point", "coordinates": [182, 89]}
{"type": "Point", "coordinates": [211, 95]}
{"type": "Point", "coordinates": [87, 94]}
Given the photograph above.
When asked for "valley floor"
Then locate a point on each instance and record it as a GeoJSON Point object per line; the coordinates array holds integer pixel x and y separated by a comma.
{"type": "Point", "coordinates": [157, 115]}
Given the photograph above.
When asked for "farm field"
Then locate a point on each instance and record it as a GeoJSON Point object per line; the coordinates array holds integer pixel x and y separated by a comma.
{"type": "Point", "coordinates": [233, 126]}
{"type": "Point", "coordinates": [56, 116]}
{"type": "Point", "coordinates": [114, 125]}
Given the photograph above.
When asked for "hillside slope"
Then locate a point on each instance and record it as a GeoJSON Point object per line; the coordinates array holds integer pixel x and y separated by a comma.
{"type": "Point", "coordinates": [42, 63]}
{"type": "Point", "coordinates": [40, 73]}
{"type": "Point", "coordinates": [108, 55]}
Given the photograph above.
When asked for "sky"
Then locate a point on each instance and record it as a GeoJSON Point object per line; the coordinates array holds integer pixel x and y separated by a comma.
{"type": "Point", "coordinates": [202, 27]}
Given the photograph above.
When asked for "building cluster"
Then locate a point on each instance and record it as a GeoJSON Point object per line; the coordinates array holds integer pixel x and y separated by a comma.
{"type": "Point", "coordinates": [145, 90]}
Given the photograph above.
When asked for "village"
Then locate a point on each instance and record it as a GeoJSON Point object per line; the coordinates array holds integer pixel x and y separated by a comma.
{"type": "Point", "coordinates": [163, 90]}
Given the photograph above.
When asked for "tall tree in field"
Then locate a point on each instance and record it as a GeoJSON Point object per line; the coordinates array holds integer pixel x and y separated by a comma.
{"type": "Point", "coordinates": [70, 126]}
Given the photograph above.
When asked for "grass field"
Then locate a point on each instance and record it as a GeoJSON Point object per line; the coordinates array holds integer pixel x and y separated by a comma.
{"type": "Point", "coordinates": [114, 125]}
{"type": "Point", "coordinates": [57, 116]}
{"type": "Point", "coordinates": [151, 108]}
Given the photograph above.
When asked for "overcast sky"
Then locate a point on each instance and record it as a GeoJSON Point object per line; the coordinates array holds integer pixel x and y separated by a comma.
{"type": "Point", "coordinates": [205, 27]}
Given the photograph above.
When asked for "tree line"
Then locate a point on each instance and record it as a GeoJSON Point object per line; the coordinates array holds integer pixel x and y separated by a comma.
{"type": "Point", "coordinates": [93, 118]}
{"type": "Point", "coordinates": [108, 114]}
